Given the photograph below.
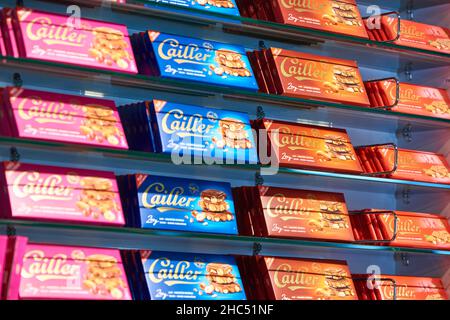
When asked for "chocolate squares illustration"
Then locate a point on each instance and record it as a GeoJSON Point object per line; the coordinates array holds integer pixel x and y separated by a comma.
{"type": "Point", "coordinates": [214, 205]}
{"type": "Point", "coordinates": [221, 278]}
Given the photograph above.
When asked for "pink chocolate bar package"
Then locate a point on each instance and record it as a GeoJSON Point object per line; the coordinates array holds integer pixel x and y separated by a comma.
{"type": "Point", "coordinates": [3, 249]}
{"type": "Point", "coordinates": [60, 194]}
{"type": "Point", "coordinates": [64, 118]}
{"type": "Point", "coordinates": [58, 38]}
{"type": "Point", "coordinates": [72, 273]}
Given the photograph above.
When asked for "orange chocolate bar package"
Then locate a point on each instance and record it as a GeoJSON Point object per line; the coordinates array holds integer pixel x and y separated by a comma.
{"type": "Point", "coordinates": [411, 288]}
{"type": "Point", "coordinates": [307, 76]}
{"type": "Point", "coordinates": [339, 16]}
{"type": "Point", "coordinates": [301, 213]}
{"type": "Point", "coordinates": [414, 99]}
{"type": "Point", "coordinates": [417, 35]}
{"type": "Point", "coordinates": [310, 147]}
{"type": "Point", "coordinates": [302, 279]}
{"type": "Point", "coordinates": [416, 165]}
{"type": "Point", "coordinates": [422, 230]}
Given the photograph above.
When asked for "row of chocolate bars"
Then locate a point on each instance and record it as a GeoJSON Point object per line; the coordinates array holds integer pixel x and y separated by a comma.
{"type": "Point", "coordinates": [38, 271]}
{"type": "Point", "coordinates": [192, 132]}
{"type": "Point", "coordinates": [70, 195]}
{"type": "Point", "coordinates": [45, 36]}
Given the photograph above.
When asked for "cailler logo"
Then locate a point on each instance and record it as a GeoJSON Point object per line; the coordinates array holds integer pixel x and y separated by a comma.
{"type": "Point", "coordinates": [160, 196]}
{"type": "Point", "coordinates": [402, 292]}
{"type": "Point", "coordinates": [405, 94]}
{"type": "Point", "coordinates": [184, 125]}
{"type": "Point", "coordinates": [403, 225]}
{"type": "Point", "coordinates": [286, 277]}
{"type": "Point", "coordinates": [304, 5]}
{"type": "Point", "coordinates": [43, 28]}
{"type": "Point", "coordinates": [45, 268]}
{"type": "Point", "coordinates": [288, 208]}
{"type": "Point", "coordinates": [34, 108]}
{"type": "Point", "coordinates": [298, 140]}
{"type": "Point", "coordinates": [410, 31]}
{"type": "Point", "coordinates": [31, 184]}
{"type": "Point", "coordinates": [172, 273]}
{"type": "Point", "coordinates": [304, 70]}
{"type": "Point", "coordinates": [171, 49]}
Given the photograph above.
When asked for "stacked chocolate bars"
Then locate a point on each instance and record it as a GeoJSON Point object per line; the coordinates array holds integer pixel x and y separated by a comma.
{"type": "Point", "coordinates": [412, 34]}
{"type": "Point", "coordinates": [412, 165]}
{"type": "Point", "coordinates": [181, 58]}
{"type": "Point", "coordinates": [34, 34]}
{"type": "Point", "coordinates": [309, 147]}
{"type": "Point", "coordinates": [155, 275]}
{"type": "Point", "coordinates": [339, 16]}
{"type": "Point", "coordinates": [47, 116]}
{"type": "Point", "coordinates": [178, 204]}
{"type": "Point", "coordinates": [189, 131]}
{"type": "Point", "coordinates": [392, 287]}
{"type": "Point", "coordinates": [307, 76]}
{"type": "Point", "coordinates": [402, 229]}
{"type": "Point", "coordinates": [272, 278]}
{"type": "Point", "coordinates": [279, 212]}
{"type": "Point", "coordinates": [414, 99]}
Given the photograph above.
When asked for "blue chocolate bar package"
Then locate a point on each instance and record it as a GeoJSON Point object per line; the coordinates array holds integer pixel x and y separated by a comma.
{"type": "Point", "coordinates": [227, 7]}
{"type": "Point", "coordinates": [219, 135]}
{"type": "Point", "coordinates": [181, 58]}
{"type": "Point", "coordinates": [156, 202]}
{"type": "Point", "coordinates": [185, 276]}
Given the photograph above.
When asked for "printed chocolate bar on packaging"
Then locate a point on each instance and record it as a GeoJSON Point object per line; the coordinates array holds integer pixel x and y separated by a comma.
{"type": "Point", "coordinates": [75, 273]}
{"type": "Point", "coordinates": [182, 276]}
{"type": "Point", "coordinates": [66, 118]}
{"type": "Point", "coordinates": [304, 214]}
{"type": "Point", "coordinates": [301, 279]}
{"type": "Point", "coordinates": [197, 131]}
{"type": "Point", "coordinates": [414, 229]}
{"type": "Point", "coordinates": [417, 35]}
{"type": "Point", "coordinates": [308, 76]}
{"type": "Point", "coordinates": [311, 147]}
{"type": "Point", "coordinates": [180, 204]}
{"type": "Point", "coordinates": [415, 99]}
{"type": "Point", "coordinates": [411, 288]}
{"type": "Point", "coordinates": [416, 165]}
{"type": "Point", "coordinates": [88, 43]}
{"type": "Point", "coordinates": [60, 194]}
{"type": "Point", "coordinates": [177, 57]}
{"type": "Point", "coordinates": [227, 7]}
{"type": "Point", "coordinates": [341, 16]}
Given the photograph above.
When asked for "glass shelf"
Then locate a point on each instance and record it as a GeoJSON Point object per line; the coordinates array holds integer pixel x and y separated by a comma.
{"type": "Point", "coordinates": [274, 31]}
{"type": "Point", "coordinates": [125, 161]}
{"type": "Point", "coordinates": [146, 239]}
{"type": "Point", "coordinates": [358, 256]}
{"type": "Point", "coordinates": [362, 115]}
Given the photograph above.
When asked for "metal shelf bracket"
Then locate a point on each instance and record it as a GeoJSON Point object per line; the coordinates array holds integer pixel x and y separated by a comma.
{"type": "Point", "coordinates": [257, 247]}
{"type": "Point", "coordinates": [407, 132]}
{"type": "Point", "coordinates": [17, 79]}
{"type": "Point", "coordinates": [259, 180]}
{"type": "Point", "coordinates": [14, 155]}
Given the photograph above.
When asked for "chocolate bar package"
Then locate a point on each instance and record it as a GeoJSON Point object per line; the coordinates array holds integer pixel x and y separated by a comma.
{"type": "Point", "coordinates": [339, 16]}
{"type": "Point", "coordinates": [406, 288]}
{"type": "Point", "coordinates": [60, 194]}
{"type": "Point", "coordinates": [310, 147]}
{"type": "Point", "coordinates": [420, 230]}
{"type": "Point", "coordinates": [10, 41]}
{"type": "Point", "coordinates": [72, 273]}
{"type": "Point", "coordinates": [414, 99]}
{"type": "Point", "coordinates": [176, 57]}
{"type": "Point", "coordinates": [302, 279]}
{"type": "Point", "coordinates": [299, 213]}
{"type": "Point", "coordinates": [58, 117]}
{"type": "Point", "coordinates": [16, 248]}
{"type": "Point", "coordinates": [198, 131]}
{"type": "Point", "coordinates": [157, 202]}
{"type": "Point", "coordinates": [417, 35]}
{"type": "Point", "coordinates": [307, 76]}
{"type": "Point", "coordinates": [88, 43]}
{"type": "Point", "coordinates": [227, 7]}
{"type": "Point", "coordinates": [416, 165]}
{"type": "Point", "coordinates": [183, 276]}
{"type": "Point", "coordinates": [3, 265]}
